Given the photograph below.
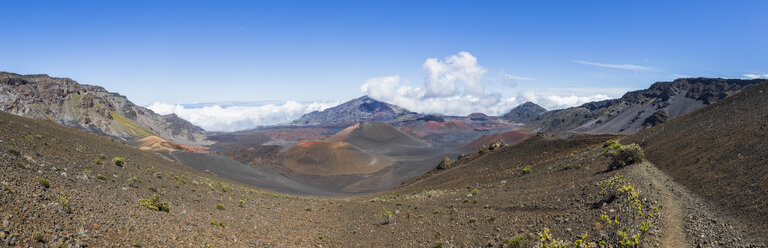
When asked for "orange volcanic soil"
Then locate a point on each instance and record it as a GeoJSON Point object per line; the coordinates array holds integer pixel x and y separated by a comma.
{"type": "Point", "coordinates": [321, 158]}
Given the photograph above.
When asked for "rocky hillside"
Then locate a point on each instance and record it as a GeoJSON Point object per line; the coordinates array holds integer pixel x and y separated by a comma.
{"type": "Point", "coordinates": [359, 109]}
{"type": "Point", "coordinates": [721, 153]}
{"type": "Point", "coordinates": [89, 107]}
{"type": "Point", "coordinates": [638, 110]}
{"type": "Point", "coordinates": [524, 113]}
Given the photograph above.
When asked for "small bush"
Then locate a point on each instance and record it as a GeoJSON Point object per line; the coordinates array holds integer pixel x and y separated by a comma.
{"type": "Point", "coordinates": [472, 220]}
{"type": "Point", "coordinates": [623, 155]}
{"type": "Point", "coordinates": [101, 177]}
{"type": "Point", "coordinates": [386, 216]}
{"type": "Point", "coordinates": [13, 151]}
{"type": "Point", "coordinates": [119, 161]}
{"type": "Point", "coordinates": [44, 182]}
{"type": "Point", "coordinates": [7, 189]}
{"type": "Point", "coordinates": [220, 207]}
{"type": "Point", "coordinates": [520, 241]}
{"type": "Point", "coordinates": [527, 169]}
{"type": "Point", "coordinates": [214, 223]}
{"type": "Point", "coordinates": [38, 237]}
{"type": "Point", "coordinates": [132, 181]}
{"type": "Point", "coordinates": [154, 204]}
{"type": "Point", "coordinates": [64, 202]}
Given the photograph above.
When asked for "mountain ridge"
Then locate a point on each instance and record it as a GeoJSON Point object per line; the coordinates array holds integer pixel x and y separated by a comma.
{"type": "Point", "coordinates": [91, 108]}
{"type": "Point", "coordinates": [640, 109]}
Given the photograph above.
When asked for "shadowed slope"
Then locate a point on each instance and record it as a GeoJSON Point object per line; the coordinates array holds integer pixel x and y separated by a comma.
{"type": "Point", "coordinates": [719, 152]}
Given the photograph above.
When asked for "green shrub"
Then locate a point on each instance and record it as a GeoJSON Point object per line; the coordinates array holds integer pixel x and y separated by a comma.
{"type": "Point", "coordinates": [154, 204]}
{"type": "Point", "coordinates": [520, 241]}
{"type": "Point", "coordinates": [214, 223]}
{"type": "Point", "coordinates": [38, 237]}
{"type": "Point", "coordinates": [386, 216]}
{"type": "Point", "coordinates": [527, 169]}
{"type": "Point", "coordinates": [119, 161]}
{"type": "Point", "coordinates": [220, 207]}
{"type": "Point", "coordinates": [64, 202]}
{"type": "Point", "coordinates": [623, 155]}
{"type": "Point", "coordinates": [101, 177]}
{"type": "Point", "coordinates": [14, 151]}
{"type": "Point", "coordinates": [44, 182]}
{"type": "Point", "coordinates": [132, 181]}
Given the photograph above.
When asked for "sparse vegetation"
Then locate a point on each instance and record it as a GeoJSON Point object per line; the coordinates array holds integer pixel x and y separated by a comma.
{"type": "Point", "coordinates": [220, 207]}
{"type": "Point", "coordinates": [215, 223]}
{"type": "Point", "coordinates": [64, 202]}
{"type": "Point", "coordinates": [44, 182]}
{"type": "Point", "coordinates": [13, 151]}
{"type": "Point", "coordinates": [634, 217]}
{"type": "Point", "coordinates": [154, 204]}
{"type": "Point", "coordinates": [526, 169]}
{"type": "Point", "coordinates": [101, 177]}
{"type": "Point", "coordinates": [39, 237]}
{"type": "Point", "coordinates": [119, 161]}
{"type": "Point", "coordinates": [133, 181]}
{"type": "Point", "coordinates": [386, 216]}
{"type": "Point", "coordinates": [520, 241]}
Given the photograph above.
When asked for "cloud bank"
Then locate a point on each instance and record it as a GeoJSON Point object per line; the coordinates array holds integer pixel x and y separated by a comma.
{"type": "Point", "coordinates": [454, 86]}
{"type": "Point", "coordinates": [615, 66]}
{"type": "Point", "coordinates": [755, 76]}
{"type": "Point", "coordinates": [216, 117]}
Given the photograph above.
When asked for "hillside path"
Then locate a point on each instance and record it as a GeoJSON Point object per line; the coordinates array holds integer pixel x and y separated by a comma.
{"type": "Point", "coordinates": [672, 197]}
{"type": "Point", "coordinates": [687, 220]}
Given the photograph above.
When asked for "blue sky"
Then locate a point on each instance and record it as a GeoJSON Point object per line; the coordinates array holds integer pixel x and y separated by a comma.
{"type": "Point", "coordinates": [324, 51]}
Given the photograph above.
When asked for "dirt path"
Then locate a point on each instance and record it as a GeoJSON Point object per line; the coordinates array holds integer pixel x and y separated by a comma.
{"type": "Point", "coordinates": [671, 197]}
{"type": "Point", "coordinates": [687, 219]}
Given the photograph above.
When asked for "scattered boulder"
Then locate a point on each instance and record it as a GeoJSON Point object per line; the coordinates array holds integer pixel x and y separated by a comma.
{"type": "Point", "coordinates": [445, 164]}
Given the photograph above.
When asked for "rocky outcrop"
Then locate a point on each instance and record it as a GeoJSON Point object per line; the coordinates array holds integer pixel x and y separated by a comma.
{"type": "Point", "coordinates": [89, 107]}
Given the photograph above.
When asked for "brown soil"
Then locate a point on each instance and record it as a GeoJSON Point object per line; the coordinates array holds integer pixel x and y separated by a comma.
{"type": "Point", "coordinates": [513, 137]}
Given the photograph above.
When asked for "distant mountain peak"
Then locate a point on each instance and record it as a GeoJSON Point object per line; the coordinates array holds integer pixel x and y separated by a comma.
{"type": "Point", "coordinates": [363, 108]}
{"type": "Point", "coordinates": [524, 113]}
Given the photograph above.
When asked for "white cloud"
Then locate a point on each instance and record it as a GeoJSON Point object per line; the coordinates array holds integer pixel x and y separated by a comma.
{"type": "Point", "coordinates": [461, 68]}
{"type": "Point", "coordinates": [754, 76]}
{"type": "Point", "coordinates": [454, 87]}
{"type": "Point", "coordinates": [214, 117]}
{"type": "Point", "coordinates": [615, 66]}
{"type": "Point", "coordinates": [552, 101]}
